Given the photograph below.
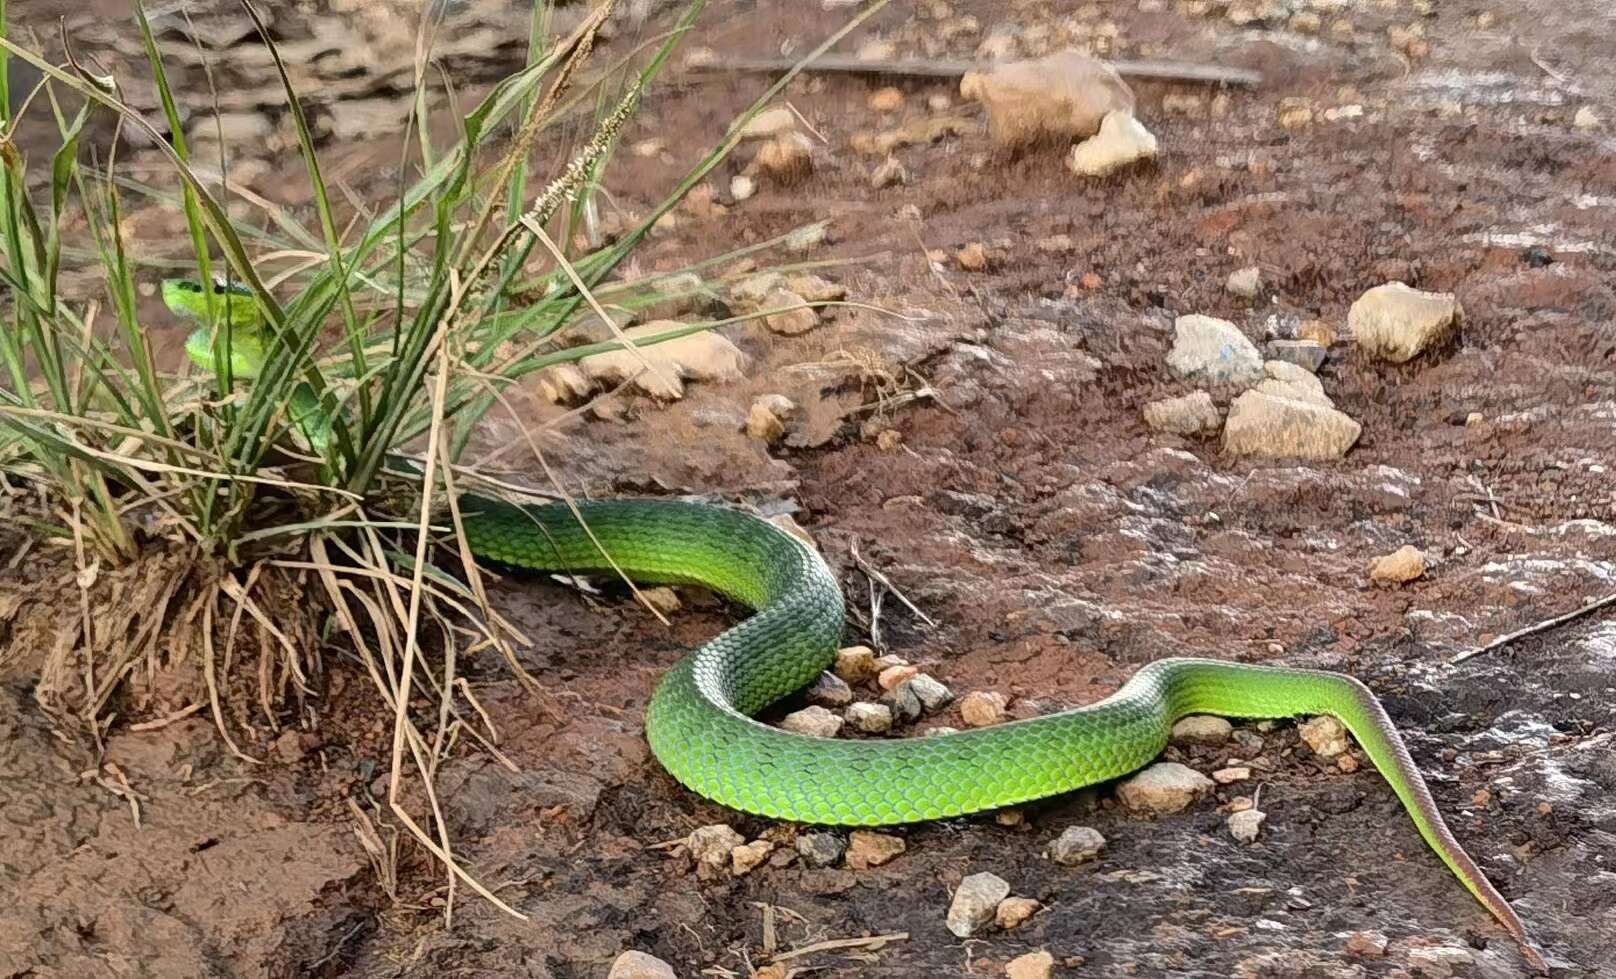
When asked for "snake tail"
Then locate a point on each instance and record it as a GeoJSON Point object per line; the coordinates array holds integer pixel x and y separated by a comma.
{"type": "Point", "coordinates": [699, 720]}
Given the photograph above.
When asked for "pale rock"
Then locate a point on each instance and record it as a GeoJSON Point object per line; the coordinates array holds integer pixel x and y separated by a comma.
{"type": "Point", "coordinates": [1366, 944]}
{"type": "Point", "coordinates": [753, 291]}
{"type": "Point", "coordinates": [565, 384]}
{"type": "Point", "coordinates": [830, 690]}
{"type": "Point", "coordinates": [1232, 774]}
{"type": "Point", "coordinates": [887, 99]}
{"type": "Point", "coordinates": [1208, 349]}
{"type": "Point", "coordinates": [816, 288]}
{"type": "Point", "coordinates": [1201, 729]}
{"type": "Point", "coordinates": [931, 693]}
{"type": "Point", "coordinates": [741, 186]}
{"type": "Point", "coordinates": [770, 123]}
{"type": "Point", "coordinates": [1033, 965]}
{"type": "Point", "coordinates": [1266, 426]}
{"type": "Point", "coordinates": [866, 849]}
{"type": "Point", "coordinates": [792, 314]}
{"type": "Point", "coordinates": [638, 965]}
{"type": "Point", "coordinates": [1065, 95]}
{"type": "Point", "coordinates": [1189, 414]}
{"type": "Point", "coordinates": [1245, 283]}
{"type": "Point", "coordinates": [894, 675]}
{"type": "Point", "coordinates": [1287, 380]}
{"type": "Point", "coordinates": [1165, 787]}
{"type": "Point", "coordinates": [1400, 566]}
{"type": "Point", "coordinates": [663, 599]}
{"type": "Point", "coordinates": [1396, 323]}
{"type": "Point", "coordinates": [1306, 354]}
{"type": "Point", "coordinates": [703, 356]}
{"type": "Point", "coordinates": [766, 420]}
{"type": "Point", "coordinates": [1121, 141]}
{"type": "Point", "coordinates": [1587, 119]}
{"type": "Point", "coordinates": [710, 846]}
{"type": "Point", "coordinates": [1244, 825]}
{"type": "Point", "coordinates": [787, 159]}
{"type": "Point", "coordinates": [855, 664]}
{"type": "Point", "coordinates": [815, 721]}
{"type": "Point", "coordinates": [870, 718]}
{"type": "Point", "coordinates": [744, 859]}
{"type": "Point", "coordinates": [1075, 845]}
{"type": "Point", "coordinates": [982, 708]}
{"type": "Point", "coordinates": [975, 901]}
{"type": "Point", "coordinates": [1013, 912]}
{"type": "Point", "coordinates": [1325, 735]}
{"type": "Point", "coordinates": [1440, 961]}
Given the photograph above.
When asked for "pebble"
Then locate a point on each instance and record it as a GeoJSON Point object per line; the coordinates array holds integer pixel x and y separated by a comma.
{"type": "Point", "coordinates": [711, 845]}
{"type": "Point", "coordinates": [1232, 774]}
{"type": "Point", "coordinates": [1244, 825]}
{"type": "Point", "coordinates": [741, 186]}
{"type": "Point", "coordinates": [1318, 331]}
{"type": "Point", "coordinates": [1033, 965]}
{"type": "Point", "coordinates": [765, 421]}
{"type": "Point", "coordinates": [1396, 323]}
{"type": "Point", "coordinates": [1402, 565]}
{"type": "Point", "coordinates": [1366, 944]}
{"type": "Point", "coordinates": [1212, 350]}
{"type": "Point", "coordinates": [744, 859]}
{"type": "Point", "coordinates": [894, 675]}
{"type": "Point", "coordinates": [1269, 427]}
{"type": "Point", "coordinates": [903, 703]}
{"type": "Point", "coordinates": [1306, 354]}
{"type": "Point", "coordinates": [815, 721]}
{"type": "Point", "coordinates": [974, 257]}
{"type": "Point", "coordinates": [1064, 96]}
{"type": "Point", "coordinates": [1164, 787]}
{"type": "Point", "coordinates": [1189, 414]}
{"type": "Point", "coordinates": [639, 965]}
{"type": "Point", "coordinates": [889, 173]}
{"type": "Point", "coordinates": [870, 718]}
{"type": "Point", "coordinates": [1013, 912]}
{"type": "Point", "coordinates": [1121, 141]}
{"type": "Point", "coordinates": [1076, 845]}
{"type": "Point", "coordinates": [1245, 283]}
{"type": "Point", "coordinates": [975, 901]}
{"type": "Point", "coordinates": [1440, 961]}
{"type": "Point", "coordinates": [1587, 119]}
{"type": "Point", "coordinates": [1325, 735]}
{"type": "Point", "coordinates": [1287, 380]}
{"type": "Point", "coordinates": [830, 690]}
{"type": "Point", "coordinates": [932, 694]}
{"type": "Point", "coordinates": [820, 849]}
{"type": "Point", "coordinates": [816, 288]}
{"type": "Point", "coordinates": [886, 99]}
{"type": "Point", "coordinates": [787, 159]}
{"type": "Point", "coordinates": [982, 708]}
{"type": "Point", "coordinates": [1347, 763]}
{"type": "Point", "coordinates": [795, 316]}
{"type": "Point", "coordinates": [866, 849]}
{"type": "Point", "coordinates": [1201, 729]}
{"type": "Point", "coordinates": [770, 123]}
{"type": "Point", "coordinates": [939, 731]}
{"type": "Point", "coordinates": [855, 664]}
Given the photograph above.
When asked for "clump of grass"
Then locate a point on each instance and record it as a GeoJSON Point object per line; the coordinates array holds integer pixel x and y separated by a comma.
{"type": "Point", "coordinates": [199, 526]}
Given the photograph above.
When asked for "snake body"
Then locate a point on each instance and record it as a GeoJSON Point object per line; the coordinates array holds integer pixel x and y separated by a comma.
{"type": "Point", "coordinates": [700, 719]}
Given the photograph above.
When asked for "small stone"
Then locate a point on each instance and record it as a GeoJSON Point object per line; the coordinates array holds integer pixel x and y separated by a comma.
{"type": "Point", "coordinates": [1366, 944]}
{"type": "Point", "coordinates": [1189, 414]}
{"type": "Point", "coordinates": [903, 703]}
{"type": "Point", "coordinates": [866, 849]}
{"type": "Point", "coordinates": [1013, 912]}
{"type": "Point", "coordinates": [1306, 354]}
{"type": "Point", "coordinates": [1244, 825]}
{"type": "Point", "coordinates": [1587, 119]}
{"type": "Point", "coordinates": [794, 315]}
{"type": "Point", "coordinates": [1064, 96]}
{"type": "Point", "coordinates": [855, 664]}
{"type": "Point", "coordinates": [1232, 774]}
{"type": "Point", "coordinates": [1121, 141]}
{"type": "Point", "coordinates": [1262, 425]}
{"type": "Point", "coordinates": [1201, 729]}
{"type": "Point", "coordinates": [974, 903]}
{"type": "Point", "coordinates": [1165, 787]}
{"type": "Point", "coordinates": [787, 159]}
{"type": "Point", "coordinates": [820, 849]}
{"type": "Point", "coordinates": [711, 846]}
{"type": "Point", "coordinates": [830, 690]}
{"type": "Point", "coordinates": [1318, 331]}
{"type": "Point", "coordinates": [1245, 283]}
{"type": "Point", "coordinates": [1295, 113]}
{"type": "Point", "coordinates": [1347, 763]}
{"type": "Point", "coordinates": [890, 173]}
{"type": "Point", "coordinates": [815, 721]}
{"type": "Point", "coordinates": [766, 419]}
{"type": "Point", "coordinates": [1287, 380]}
{"type": "Point", "coordinates": [1033, 965]}
{"type": "Point", "coordinates": [807, 239]}
{"type": "Point", "coordinates": [932, 694]}
{"type": "Point", "coordinates": [1212, 350]}
{"type": "Point", "coordinates": [1474, 418]}
{"type": "Point", "coordinates": [876, 49]}
{"type": "Point", "coordinates": [770, 123]}
{"type": "Point", "coordinates": [870, 718]}
{"type": "Point", "coordinates": [974, 257]}
{"type": "Point", "coordinates": [894, 675]}
{"type": "Point", "coordinates": [1010, 817]}
{"type": "Point", "coordinates": [744, 859]}
{"type": "Point", "coordinates": [1440, 961]}
{"type": "Point", "coordinates": [1076, 845]}
{"type": "Point", "coordinates": [1402, 565]}
{"type": "Point", "coordinates": [982, 708]}
{"type": "Point", "coordinates": [889, 439]}
{"type": "Point", "coordinates": [639, 965]}
{"type": "Point", "coordinates": [1325, 735]}
{"type": "Point", "coordinates": [886, 99]}
{"type": "Point", "coordinates": [1397, 323]}
{"type": "Point", "coordinates": [741, 186]}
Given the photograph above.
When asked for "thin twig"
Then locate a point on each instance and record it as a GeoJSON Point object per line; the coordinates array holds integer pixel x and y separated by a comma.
{"type": "Point", "coordinates": [873, 573]}
{"type": "Point", "coordinates": [1161, 71]}
{"type": "Point", "coordinates": [1535, 628]}
{"type": "Point", "coordinates": [874, 943]}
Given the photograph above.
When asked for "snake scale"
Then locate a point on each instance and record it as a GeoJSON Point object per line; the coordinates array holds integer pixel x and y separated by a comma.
{"type": "Point", "coordinates": [700, 720]}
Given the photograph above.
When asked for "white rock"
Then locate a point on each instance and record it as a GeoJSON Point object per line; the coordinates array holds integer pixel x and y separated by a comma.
{"type": "Point", "coordinates": [710, 845]}
{"type": "Point", "coordinates": [1396, 323]}
{"type": "Point", "coordinates": [869, 718]}
{"type": "Point", "coordinates": [1587, 119]}
{"type": "Point", "coordinates": [1075, 845]}
{"type": "Point", "coordinates": [815, 721]}
{"type": "Point", "coordinates": [1122, 140]}
{"type": "Point", "coordinates": [1190, 414]}
{"type": "Point", "coordinates": [1245, 283]}
{"type": "Point", "coordinates": [1164, 787]}
{"type": "Point", "coordinates": [974, 902]}
{"type": "Point", "coordinates": [1263, 425]}
{"type": "Point", "coordinates": [1244, 825]}
{"type": "Point", "coordinates": [1209, 349]}
{"type": "Point", "coordinates": [1287, 380]}
{"type": "Point", "coordinates": [770, 123]}
{"type": "Point", "coordinates": [1033, 965]}
{"type": "Point", "coordinates": [1201, 729]}
{"type": "Point", "coordinates": [638, 965]}
{"type": "Point", "coordinates": [1232, 774]}
{"type": "Point", "coordinates": [741, 186]}
{"type": "Point", "coordinates": [1325, 735]}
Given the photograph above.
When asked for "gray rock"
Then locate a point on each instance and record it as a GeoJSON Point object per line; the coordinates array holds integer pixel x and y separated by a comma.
{"type": "Point", "coordinates": [1075, 845]}
{"type": "Point", "coordinates": [1396, 323]}
{"type": "Point", "coordinates": [1190, 414]}
{"type": "Point", "coordinates": [932, 694]}
{"type": "Point", "coordinates": [902, 702]}
{"type": "Point", "coordinates": [975, 902]}
{"type": "Point", "coordinates": [710, 845]}
{"type": "Point", "coordinates": [815, 721]}
{"type": "Point", "coordinates": [1214, 351]}
{"type": "Point", "coordinates": [1275, 427]}
{"type": "Point", "coordinates": [1202, 729]}
{"type": "Point", "coordinates": [1244, 825]}
{"type": "Point", "coordinates": [830, 690]}
{"type": "Point", "coordinates": [1307, 354]}
{"type": "Point", "coordinates": [870, 718]}
{"type": "Point", "coordinates": [821, 849]}
{"type": "Point", "coordinates": [1164, 787]}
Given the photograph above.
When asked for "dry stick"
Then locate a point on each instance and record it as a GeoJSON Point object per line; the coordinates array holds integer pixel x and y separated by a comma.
{"type": "Point", "coordinates": [1160, 71]}
{"type": "Point", "coordinates": [1536, 627]}
{"type": "Point", "coordinates": [874, 943]}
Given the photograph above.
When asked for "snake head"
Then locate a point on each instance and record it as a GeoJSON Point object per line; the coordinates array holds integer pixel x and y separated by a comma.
{"type": "Point", "coordinates": [230, 300]}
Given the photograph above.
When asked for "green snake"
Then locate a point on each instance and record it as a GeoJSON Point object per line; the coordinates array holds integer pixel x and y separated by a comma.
{"type": "Point", "coordinates": [700, 718]}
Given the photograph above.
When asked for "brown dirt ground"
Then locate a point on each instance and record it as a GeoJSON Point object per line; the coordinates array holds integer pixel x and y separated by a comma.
{"type": "Point", "coordinates": [1057, 542]}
